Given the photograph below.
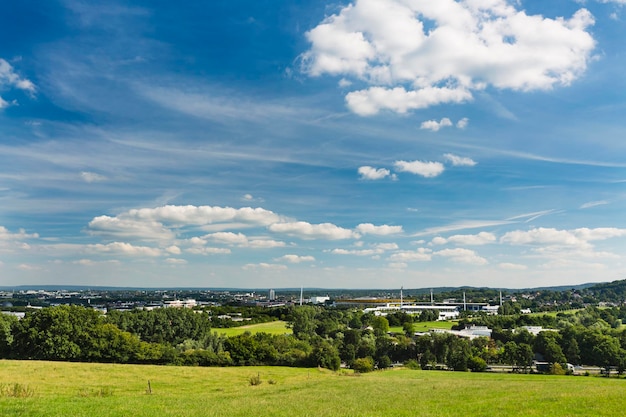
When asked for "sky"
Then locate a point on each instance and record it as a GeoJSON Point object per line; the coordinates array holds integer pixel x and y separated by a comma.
{"type": "Point", "coordinates": [275, 144]}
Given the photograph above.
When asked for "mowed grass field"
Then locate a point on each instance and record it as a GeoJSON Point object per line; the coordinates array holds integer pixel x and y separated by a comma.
{"type": "Point", "coordinates": [280, 327]}
{"type": "Point", "coordinates": [77, 389]}
{"type": "Point", "coordinates": [272, 327]}
{"type": "Point", "coordinates": [425, 326]}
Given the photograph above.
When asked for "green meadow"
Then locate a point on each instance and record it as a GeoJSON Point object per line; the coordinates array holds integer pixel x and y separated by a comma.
{"type": "Point", "coordinates": [426, 326]}
{"type": "Point", "coordinates": [32, 388]}
{"type": "Point", "coordinates": [272, 327]}
{"type": "Point", "coordinates": [280, 327]}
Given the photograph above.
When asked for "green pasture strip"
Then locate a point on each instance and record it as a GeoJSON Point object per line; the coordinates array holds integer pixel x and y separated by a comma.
{"type": "Point", "coordinates": [74, 389]}
{"type": "Point", "coordinates": [555, 313]}
{"type": "Point", "coordinates": [272, 327]}
{"type": "Point", "coordinates": [426, 326]}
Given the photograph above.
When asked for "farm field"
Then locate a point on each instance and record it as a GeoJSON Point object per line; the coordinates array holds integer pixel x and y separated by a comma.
{"type": "Point", "coordinates": [272, 327]}
{"type": "Point", "coordinates": [104, 390]}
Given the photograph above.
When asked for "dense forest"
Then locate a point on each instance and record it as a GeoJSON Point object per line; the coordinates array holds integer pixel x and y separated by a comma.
{"type": "Point", "coordinates": [325, 337]}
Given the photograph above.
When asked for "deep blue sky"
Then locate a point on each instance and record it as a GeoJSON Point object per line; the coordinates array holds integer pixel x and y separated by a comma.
{"type": "Point", "coordinates": [379, 143]}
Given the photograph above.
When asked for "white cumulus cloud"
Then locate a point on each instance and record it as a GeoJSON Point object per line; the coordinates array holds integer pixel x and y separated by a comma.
{"type": "Point", "coordinates": [436, 125]}
{"type": "Point", "coordinates": [459, 160]}
{"type": "Point", "coordinates": [461, 255]}
{"type": "Point", "coordinates": [296, 259]}
{"type": "Point", "coordinates": [512, 266]}
{"type": "Point", "coordinates": [481, 238]}
{"type": "Point", "coordinates": [425, 169]}
{"type": "Point", "coordinates": [208, 251]}
{"type": "Point", "coordinates": [383, 230]}
{"type": "Point", "coordinates": [306, 230]}
{"type": "Point", "coordinates": [92, 177]}
{"type": "Point", "coordinates": [419, 53]}
{"type": "Point", "coordinates": [199, 215]}
{"type": "Point", "coordinates": [420, 254]}
{"type": "Point", "coordinates": [126, 228]}
{"type": "Point", "coordinates": [174, 250]}
{"type": "Point", "coordinates": [462, 123]}
{"type": "Point", "coordinates": [357, 252]}
{"type": "Point", "coordinates": [576, 238]}
{"type": "Point", "coordinates": [371, 173]}
{"type": "Point", "coordinates": [122, 248]}
{"type": "Point", "coordinates": [241, 240]}
{"type": "Point", "coordinates": [264, 266]}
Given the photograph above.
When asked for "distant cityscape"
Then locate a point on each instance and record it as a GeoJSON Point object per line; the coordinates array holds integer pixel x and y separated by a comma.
{"type": "Point", "coordinates": [448, 302]}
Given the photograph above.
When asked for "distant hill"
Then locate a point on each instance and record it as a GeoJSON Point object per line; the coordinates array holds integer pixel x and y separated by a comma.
{"type": "Point", "coordinates": [609, 291]}
{"type": "Point", "coordinates": [618, 286]}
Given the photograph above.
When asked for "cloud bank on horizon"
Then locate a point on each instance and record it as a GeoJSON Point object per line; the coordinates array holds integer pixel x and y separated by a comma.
{"type": "Point", "coordinates": [481, 145]}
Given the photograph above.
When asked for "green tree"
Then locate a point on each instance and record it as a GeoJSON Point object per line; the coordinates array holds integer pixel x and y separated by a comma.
{"type": "Point", "coordinates": [303, 322]}
{"type": "Point", "coordinates": [380, 325]}
{"type": "Point", "coordinates": [607, 353]}
{"type": "Point", "coordinates": [383, 362]}
{"type": "Point", "coordinates": [547, 344]}
{"type": "Point", "coordinates": [325, 355]}
{"type": "Point", "coordinates": [458, 354]}
{"type": "Point", "coordinates": [7, 323]}
{"type": "Point", "coordinates": [408, 328]}
{"type": "Point", "coordinates": [55, 333]}
{"type": "Point", "coordinates": [519, 356]}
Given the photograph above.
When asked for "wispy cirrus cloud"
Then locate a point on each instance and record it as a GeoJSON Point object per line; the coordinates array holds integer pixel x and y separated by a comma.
{"type": "Point", "coordinates": [469, 224]}
{"type": "Point", "coordinates": [529, 217]}
{"type": "Point", "coordinates": [593, 204]}
{"type": "Point", "coordinates": [10, 79]}
{"type": "Point", "coordinates": [217, 105]}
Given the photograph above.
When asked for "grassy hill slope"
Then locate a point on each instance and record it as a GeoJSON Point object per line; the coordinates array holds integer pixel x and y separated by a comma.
{"type": "Point", "coordinates": [78, 389]}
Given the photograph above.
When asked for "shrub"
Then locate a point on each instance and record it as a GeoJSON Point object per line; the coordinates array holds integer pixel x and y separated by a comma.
{"type": "Point", "coordinates": [413, 364]}
{"type": "Point", "coordinates": [557, 369]}
{"type": "Point", "coordinates": [363, 365]}
{"type": "Point", "coordinates": [476, 364]}
{"type": "Point", "coordinates": [16, 391]}
{"type": "Point", "coordinates": [255, 380]}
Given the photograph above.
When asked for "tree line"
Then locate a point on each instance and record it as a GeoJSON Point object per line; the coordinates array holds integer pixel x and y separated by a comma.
{"type": "Point", "coordinates": [325, 337]}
